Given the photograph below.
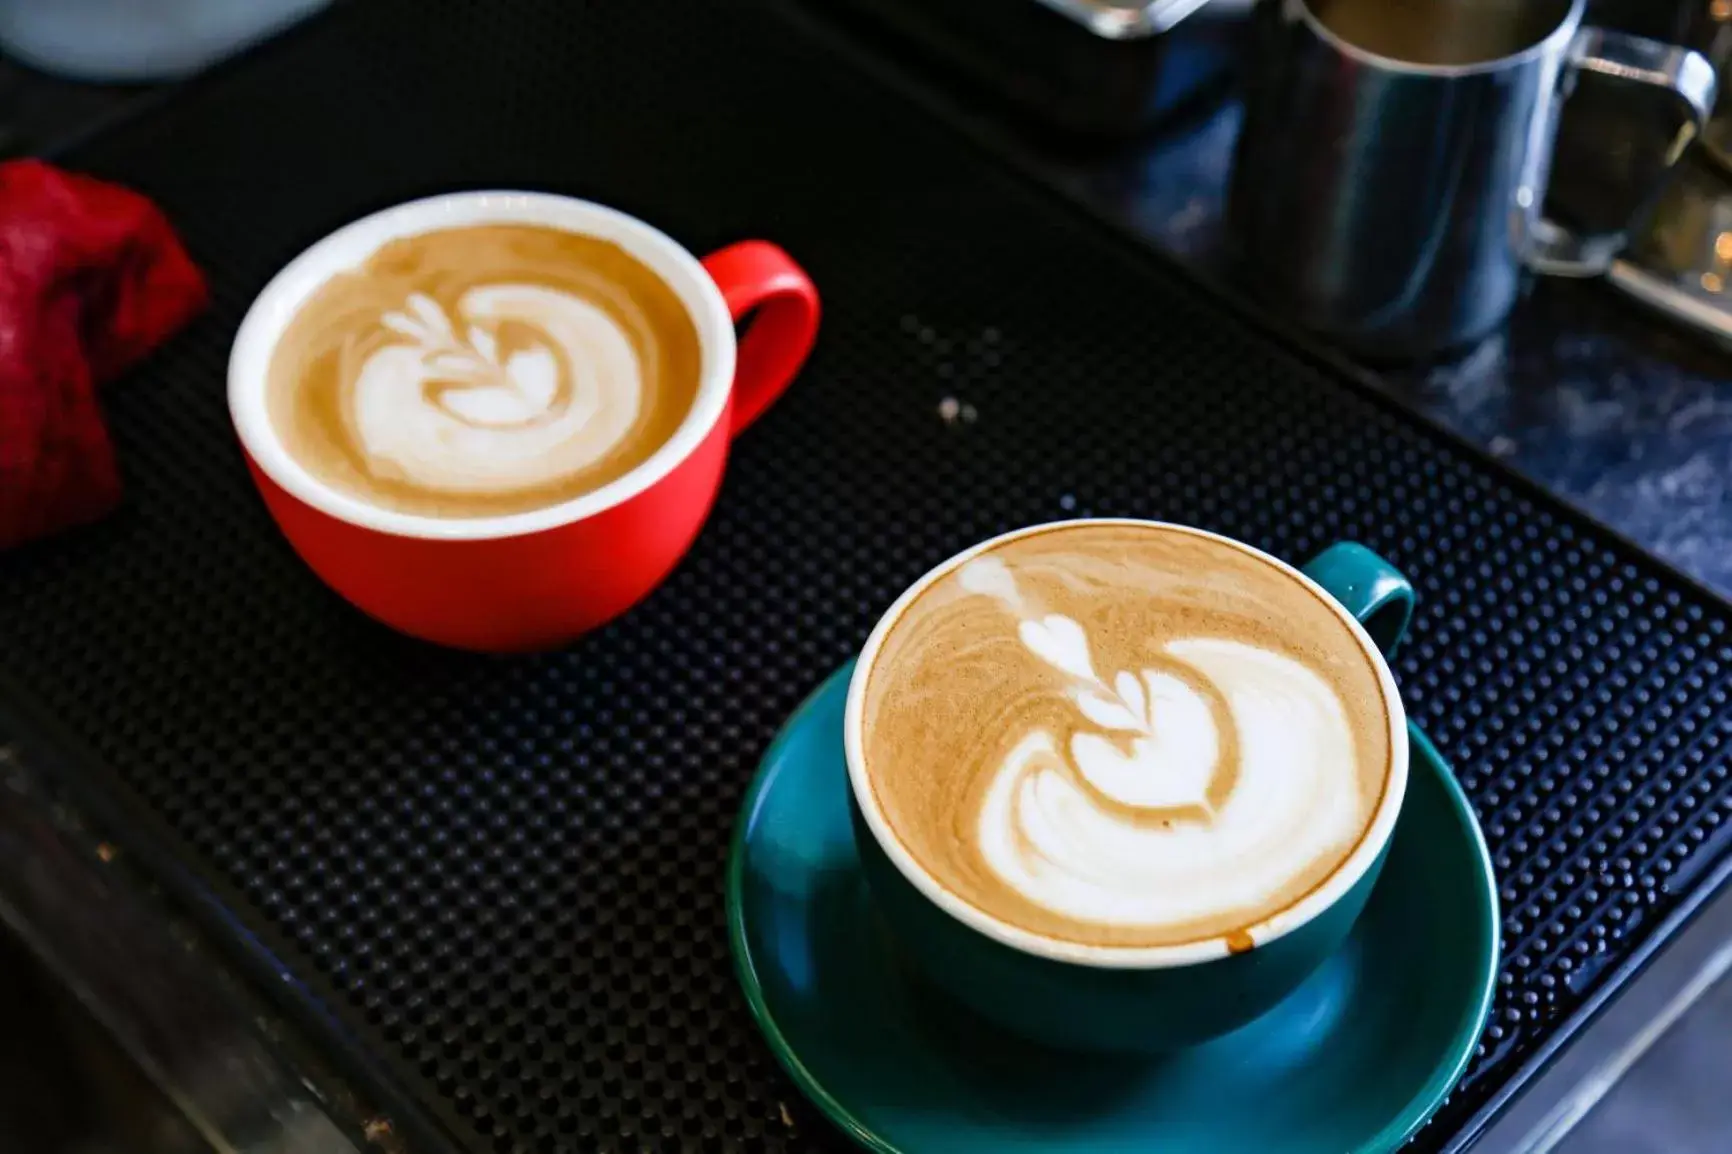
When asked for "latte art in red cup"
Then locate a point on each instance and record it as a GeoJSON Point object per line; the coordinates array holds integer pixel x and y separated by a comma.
{"type": "Point", "coordinates": [473, 371]}
{"type": "Point", "coordinates": [462, 414]}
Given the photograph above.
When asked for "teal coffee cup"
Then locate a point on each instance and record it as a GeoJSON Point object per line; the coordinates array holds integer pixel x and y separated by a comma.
{"type": "Point", "coordinates": [1100, 995]}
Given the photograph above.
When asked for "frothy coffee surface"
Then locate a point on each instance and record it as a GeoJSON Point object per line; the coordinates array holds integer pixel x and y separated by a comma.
{"type": "Point", "coordinates": [1125, 735]}
{"type": "Point", "coordinates": [485, 370]}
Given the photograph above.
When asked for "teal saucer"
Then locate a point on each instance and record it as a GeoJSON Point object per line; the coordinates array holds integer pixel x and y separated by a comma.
{"type": "Point", "coordinates": [1354, 1062]}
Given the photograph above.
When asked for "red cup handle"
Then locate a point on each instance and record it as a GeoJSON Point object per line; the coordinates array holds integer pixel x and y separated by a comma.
{"type": "Point", "coordinates": [756, 275]}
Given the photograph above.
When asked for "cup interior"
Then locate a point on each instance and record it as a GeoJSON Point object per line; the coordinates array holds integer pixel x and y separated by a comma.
{"type": "Point", "coordinates": [1370, 846]}
{"type": "Point", "coordinates": [349, 246]}
{"type": "Point", "coordinates": [1445, 36]}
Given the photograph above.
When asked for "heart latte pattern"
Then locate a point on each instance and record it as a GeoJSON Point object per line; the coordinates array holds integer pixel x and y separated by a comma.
{"type": "Point", "coordinates": [1182, 788]}
{"type": "Point", "coordinates": [1123, 734]}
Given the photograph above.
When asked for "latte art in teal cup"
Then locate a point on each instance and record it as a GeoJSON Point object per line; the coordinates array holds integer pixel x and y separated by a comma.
{"type": "Point", "coordinates": [1124, 785]}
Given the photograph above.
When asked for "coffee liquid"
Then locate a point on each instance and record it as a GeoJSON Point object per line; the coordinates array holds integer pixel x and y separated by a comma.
{"type": "Point", "coordinates": [479, 371]}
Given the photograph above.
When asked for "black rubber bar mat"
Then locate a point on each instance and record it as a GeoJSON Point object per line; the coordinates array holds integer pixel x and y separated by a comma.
{"type": "Point", "coordinates": [495, 884]}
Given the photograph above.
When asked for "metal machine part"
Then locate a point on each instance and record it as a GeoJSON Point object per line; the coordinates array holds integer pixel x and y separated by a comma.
{"type": "Point", "coordinates": [1087, 68]}
{"type": "Point", "coordinates": [123, 1035]}
{"type": "Point", "coordinates": [1681, 263]}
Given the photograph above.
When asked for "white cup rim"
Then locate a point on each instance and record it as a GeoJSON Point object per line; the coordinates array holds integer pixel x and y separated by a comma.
{"type": "Point", "coordinates": [288, 290]}
{"type": "Point", "coordinates": [1371, 844]}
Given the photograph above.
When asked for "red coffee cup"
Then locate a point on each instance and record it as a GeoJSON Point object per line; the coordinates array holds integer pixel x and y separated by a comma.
{"type": "Point", "coordinates": [531, 580]}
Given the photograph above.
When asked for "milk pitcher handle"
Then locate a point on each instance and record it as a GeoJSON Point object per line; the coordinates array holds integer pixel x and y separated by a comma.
{"type": "Point", "coordinates": [1551, 248]}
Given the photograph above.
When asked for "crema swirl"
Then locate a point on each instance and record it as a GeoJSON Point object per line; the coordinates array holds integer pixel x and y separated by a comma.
{"type": "Point", "coordinates": [484, 370]}
{"type": "Point", "coordinates": [1125, 734]}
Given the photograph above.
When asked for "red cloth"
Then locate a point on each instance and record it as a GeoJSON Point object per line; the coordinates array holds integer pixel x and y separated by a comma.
{"type": "Point", "coordinates": [91, 279]}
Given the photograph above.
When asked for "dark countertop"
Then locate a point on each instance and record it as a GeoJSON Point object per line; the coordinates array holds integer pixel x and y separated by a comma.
{"type": "Point", "coordinates": [1618, 411]}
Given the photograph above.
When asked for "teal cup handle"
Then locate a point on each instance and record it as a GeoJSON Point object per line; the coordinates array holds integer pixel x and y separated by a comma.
{"type": "Point", "coordinates": [1368, 587]}
{"type": "Point", "coordinates": [1164, 998]}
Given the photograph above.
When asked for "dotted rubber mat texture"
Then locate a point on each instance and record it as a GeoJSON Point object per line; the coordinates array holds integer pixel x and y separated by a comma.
{"type": "Point", "coordinates": [501, 878]}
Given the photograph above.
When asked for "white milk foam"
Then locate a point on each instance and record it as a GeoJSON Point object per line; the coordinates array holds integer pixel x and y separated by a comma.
{"type": "Point", "coordinates": [1119, 828]}
{"type": "Point", "coordinates": [446, 409]}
